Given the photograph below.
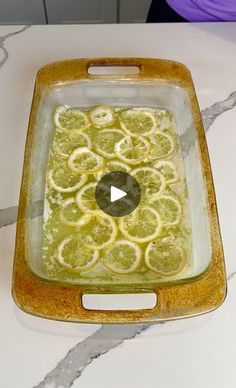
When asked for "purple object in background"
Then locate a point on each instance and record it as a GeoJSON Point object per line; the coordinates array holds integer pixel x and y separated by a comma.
{"type": "Point", "coordinates": [205, 10]}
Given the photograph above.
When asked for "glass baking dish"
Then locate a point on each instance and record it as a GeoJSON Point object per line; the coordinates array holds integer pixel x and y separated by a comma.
{"type": "Point", "coordinates": [159, 84]}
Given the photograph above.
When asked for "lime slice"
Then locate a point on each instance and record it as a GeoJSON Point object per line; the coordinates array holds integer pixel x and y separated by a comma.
{"type": "Point", "coordinates": [105, 141]}
{"type": "Point", "coordinates": [162, 145]}
{"type": "Point", "coordinates": [113, 165]}
{"type": "Point", "coordinates": [142, 225]}
{"type": "Point", "coordinates": [101, 116]}
{"type": "Point", "coordinates": [97, 230]}
{"type": "Point", "coordinates": [84, 161]}
{"type": "Point", "coordinates": [70, 119]}
{"type": "Point", "coordinates": [138, 122]}
{"type": "Point", "coordinates": [167, 169]}
{"type": "Point", "coordinates": [72, 255]}
{"type": "Point", "coordinates": [123, 257]}
{"type": "Point", "coordinates": [152, 182]}
{"type": "Point", "coordinates": [169, 208]}
{"type": "Point", "coordinates": [164, 257]}
{"type": "Point", "coordinates": [62, 179]}
{"type": "Point", "coordinates": [70, 213]}
{"type": "Point", "coordinates": [132, 150]}
{"type": "Point", "coordinates": [85, 198]}
{"type": "Point", "coordinates": [65, 143]}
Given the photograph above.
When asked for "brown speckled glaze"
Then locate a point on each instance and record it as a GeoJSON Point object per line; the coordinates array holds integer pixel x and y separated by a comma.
{"type": "Point", "coordinates": [64, 302]}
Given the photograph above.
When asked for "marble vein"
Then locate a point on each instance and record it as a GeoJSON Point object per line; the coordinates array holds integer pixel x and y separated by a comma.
{"type": "Point", "coordinates": [82, 354]}
{"type": "Point", "coordinates": [2, 41]}
{"type": "Point", "coordinates": [231, 276]}
{"type": "Point", "coordinates": [104, 339]}
{"type": "Point", "coordinates": [209, 115]}
{"type": "Point", "coordinates": [108, 337]}
{"type": "Point", "coordinates": [8, 216]}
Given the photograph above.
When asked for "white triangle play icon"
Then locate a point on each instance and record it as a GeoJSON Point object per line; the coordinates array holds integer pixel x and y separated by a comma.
{"type": "Point", "coordinates": [117, 193]}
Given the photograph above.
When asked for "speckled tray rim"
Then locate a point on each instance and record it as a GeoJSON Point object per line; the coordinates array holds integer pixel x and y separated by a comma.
{"type": "Point", "coordinates": [64, 302]}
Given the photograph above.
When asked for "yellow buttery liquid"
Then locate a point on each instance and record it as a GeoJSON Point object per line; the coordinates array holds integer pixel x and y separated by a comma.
{"type": "Point", "coordinates": [55, 230]}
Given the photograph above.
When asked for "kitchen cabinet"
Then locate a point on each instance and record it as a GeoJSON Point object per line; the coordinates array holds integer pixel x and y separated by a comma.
{"type": "Point", "coordinates": [81, 11]}
{"type": "Point", "coordinates": [73, 11]}
{"type": "Point", "coordinates": [22, 12]}
{"type": "Point", "coordinates": [133, 11]}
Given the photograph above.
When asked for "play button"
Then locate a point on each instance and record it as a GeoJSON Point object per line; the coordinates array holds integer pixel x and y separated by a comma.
{"type": "Point", "coordinates": [117, 193]}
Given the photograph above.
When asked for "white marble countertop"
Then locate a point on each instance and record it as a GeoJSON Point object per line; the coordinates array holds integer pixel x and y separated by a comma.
{"type": "Point", "coordinates": [197, 352]}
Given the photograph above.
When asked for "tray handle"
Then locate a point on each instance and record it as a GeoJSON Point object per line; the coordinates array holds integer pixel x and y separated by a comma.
{"type": "Point", "coordinates": [121, 315]}
{"type": "Point", "coordinates": [144, 68]}
{"type": "Point", "coordinates": [113, 66]}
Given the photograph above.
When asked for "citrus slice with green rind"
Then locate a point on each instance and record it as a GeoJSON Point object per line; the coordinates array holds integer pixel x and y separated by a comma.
{"type": "Point", "coordinates": [105, 141]}
{"type": "Point", "coordinates": [65, 143]}
{"type": "Point", "coordinates": [138, 122]}
{"type": "Point", "coordinates": [123, 257]}
{"type": "Point", "coordinates": [164, 257]}
{"type": "Point", "coordinates": [97, 230]}
{"type": "Point", "coordinates": [162, 145]}
{"type": "Point", "coordinates": [62, 179]}
{"type": "Point", "coordinates": [169, 208]}
{"type": "Point", "coordinates": [85, 198]}
{"type": "Point", "coordinates": [84, 161]}
{"type": "Point", "coordinates": [74, 256]}
{"type": "Point", "coordinates": [70, 119]}
{"type": "Point", "coordinates": [70, 213]}
{"type": "Point", "coordinates": [168, 169]}
{"type": "Point", "coordinates": [132, 150]}
{"type": "Point", "coordinates": [151, 181]}
{"type": "Point", "coordinates": [142, 225]}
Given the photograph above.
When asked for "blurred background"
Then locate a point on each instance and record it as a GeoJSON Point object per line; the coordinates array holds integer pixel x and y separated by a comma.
{"type": "Point", "coordinates": [73, 11]}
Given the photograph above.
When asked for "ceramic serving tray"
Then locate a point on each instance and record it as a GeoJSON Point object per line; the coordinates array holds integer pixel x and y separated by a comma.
{"type": "Point", "coordinates": [160, 85]}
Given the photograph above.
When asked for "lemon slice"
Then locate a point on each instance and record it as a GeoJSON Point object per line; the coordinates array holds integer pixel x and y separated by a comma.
{"type": "Point", "coordinates": [138, 122]}
{"type": "Point", "coordinates": [152, 182]}
{"type": "Point", "coordinates": [164, 257]}
{"type": "Point", "coordinates": [70, 213]}
{"type": "Point", "coordinates": [106, 140]}
{"type": "Point", "coordinates": [85, 198]}
{"type": "Point", "coordinates": [62, 179]}
{"type": "Point", "coordinates": [84, 161]}
{"type": "Point", "coordinates": [162, 145]}
{"type": "Point", "coordinates": [97, 230]}
{"type": "Point", "coordinates": [142, 225]}
{"type": "Point", "coordinates": [167, 169]}
{"type": "Point", "coordinates": [72, 255]}
{"type": "Point", "coordinates": [132, 150]}
{"type": "Point", "coordinates": [169, 208]}
{"type": "Point", "coordinates": [173, 193]}
{"type": "Point", "coordinates": [101, 116]}
{"type": "Point", "coordinates": [70, 119]}
{"type": "Point", "coordinates": [123, 257]}
{"type": "Point", "coordinates": [113, 165]}
{"type": "Point", "coordinates": [65, 143]}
